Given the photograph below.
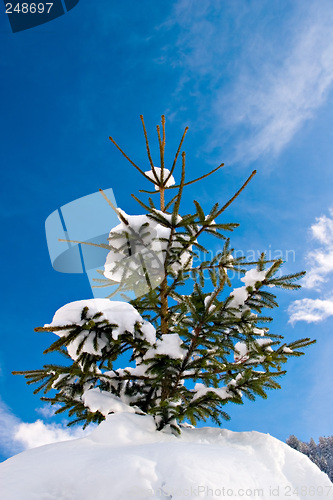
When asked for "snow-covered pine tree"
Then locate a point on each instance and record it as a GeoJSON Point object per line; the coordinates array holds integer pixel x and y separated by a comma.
{"type": "Point", "coordinates": [194, 342]}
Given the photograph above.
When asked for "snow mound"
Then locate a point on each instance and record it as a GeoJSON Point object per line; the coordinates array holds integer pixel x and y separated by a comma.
{"type": "Point", "coordinates": [125, 457]}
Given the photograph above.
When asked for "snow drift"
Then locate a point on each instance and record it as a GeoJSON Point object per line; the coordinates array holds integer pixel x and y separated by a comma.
{"type": "Point", "coordinates": [125, 457]}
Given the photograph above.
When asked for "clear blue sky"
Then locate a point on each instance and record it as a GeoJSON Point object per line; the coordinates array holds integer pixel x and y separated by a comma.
{"type": "Point", "coordinates": [253, 81]}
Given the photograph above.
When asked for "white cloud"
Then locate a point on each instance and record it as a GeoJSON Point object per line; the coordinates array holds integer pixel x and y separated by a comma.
{"type": "Point", "coordinates": [16, 436]}
{"type": "Point", "coordinates": [262, 85]}
{"type": "Point", "coordinates": [322, 266]}
{"type": "Point", "coordinates": [8, 422]}
{"type": "Point", "coordinates": [48, 411]}
{"type": "Point", "coordinates": [310, 310]}
{"type": "Point", "coordinates": [322, 230]}
{"type": "Point", "coordinates": [38, 433]}
{"type": "Point", "coordinates": [288, 94]}
{"type": "Point", "coordinates": [320, 262]}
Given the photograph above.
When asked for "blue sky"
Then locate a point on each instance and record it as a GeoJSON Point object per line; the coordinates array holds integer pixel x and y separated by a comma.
{"type": "Point", "coordinates": [253, 81]}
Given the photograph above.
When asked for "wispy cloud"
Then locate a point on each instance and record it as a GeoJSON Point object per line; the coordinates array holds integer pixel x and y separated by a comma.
{"type": "Point", "coordinates": [320, 262]}
{"type": "Point", "coordinates": [310, 310]}
{"type": "Point", "coordinates": [17, 436]}
{"type": "Point", "coordinates": [48, 411]}
{"type": "Point", "coordinates": [288, 94]}
{"type": "Point", "coordinates": [260, 87]}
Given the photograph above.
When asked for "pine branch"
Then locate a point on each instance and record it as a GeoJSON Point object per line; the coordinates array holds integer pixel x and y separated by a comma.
{"type": "Point", "coordinates": [143, 205]}
{"type": "Point", "coordinates": [236, 194]}
{"type": "Point", "coordinates": [119, 214]}
{"type": "Point", "coordinates": [148, 149]}
{"type": "Point", "coordinates": [132, 163]}
{"type": "Point", "coordinates": [176, 156]}
{"type": "Point", "coordinates": [99, 245]}
{"type": "Point", "coordinates": [189, 182]}
{"type": "Point", "coordinates": [168, 205]}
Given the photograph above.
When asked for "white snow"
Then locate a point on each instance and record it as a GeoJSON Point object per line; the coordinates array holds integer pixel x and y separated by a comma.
{"type": "Point", "coordinates": [127, 251]}
{"type": "Point", "coordinates": [212, 222]}
{"type": "Point", "coordinates": [104, 402]}
{"type": "Point", "coordinates": [241, 352]}
{"type": "Point", "coordinates": [168, 345]}
{"type": "Point", "coordinates": [167, 216]}
{"type": "Point", "coordinates": [149, 331]}
{"type": "Point", "coordinates": [166, 172]}
{"type": "Point", "coordinates": [122, 314]}
{"type": "Point", "coordinates": [265, 343]}
{"type": "Point", "coordinates": [125, 259]}
{"type": "Point", "coordinates": [125, 458]}
{"type": "Point", "coordinates": [259, 331]}
{"type": "Point", "coordinates": [207, 300]}
{"type": "Point", "coordinates": [239, 295]}
{"type": "Point", "coordinates": [252, 276]}
{"type": "Point", "coordinates": [201, 390]}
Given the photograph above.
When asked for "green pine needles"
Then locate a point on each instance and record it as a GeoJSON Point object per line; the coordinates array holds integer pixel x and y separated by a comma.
{"type": "Point", "coordinates": [193, 343]}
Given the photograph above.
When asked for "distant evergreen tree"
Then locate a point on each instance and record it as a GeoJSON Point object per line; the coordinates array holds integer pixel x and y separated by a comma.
{"type": "Point", "coordinates": [194, 342]}
{"type": "Point", "coordinates": [321, 454]}
{"type": "Point", "coordinates": [293, 442]}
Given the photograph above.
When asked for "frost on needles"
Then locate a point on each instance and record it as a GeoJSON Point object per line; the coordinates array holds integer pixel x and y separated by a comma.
{"type": "Point", "coordinates": [194, 341]}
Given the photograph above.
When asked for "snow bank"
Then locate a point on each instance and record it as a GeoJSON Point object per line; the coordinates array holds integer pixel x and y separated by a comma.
{"type": "Point", "coordinates": [125, 457]}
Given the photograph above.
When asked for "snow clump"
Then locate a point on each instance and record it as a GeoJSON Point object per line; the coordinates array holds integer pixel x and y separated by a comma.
{"type": "Point", "coordinates": [158, 171]}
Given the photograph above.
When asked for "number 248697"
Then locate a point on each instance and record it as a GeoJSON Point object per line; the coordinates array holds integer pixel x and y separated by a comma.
{"type": "Point", "coordinates": [25, 8]}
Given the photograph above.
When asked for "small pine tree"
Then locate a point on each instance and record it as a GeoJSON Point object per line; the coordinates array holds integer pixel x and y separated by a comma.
{"type": "Point", "coordinates": [194, 343]}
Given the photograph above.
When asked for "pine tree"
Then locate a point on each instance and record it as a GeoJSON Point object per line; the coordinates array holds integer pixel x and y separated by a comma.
{"type": "Point", "coordinates": [194, 342]}
{"type": "Point", "coordinates": [293, 442]}
{"type": "Point", "coordinates": [325, 449]}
